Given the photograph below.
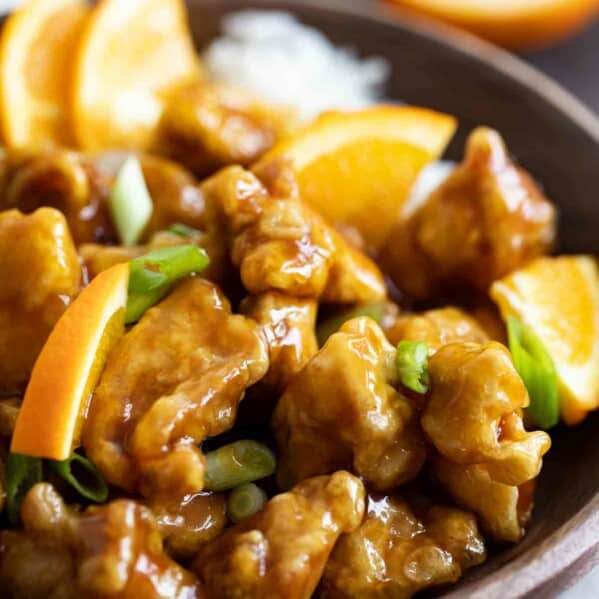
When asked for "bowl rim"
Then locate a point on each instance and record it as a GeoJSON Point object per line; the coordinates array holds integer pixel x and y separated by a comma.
{"type": "Point", "coordinates": [573, 549]}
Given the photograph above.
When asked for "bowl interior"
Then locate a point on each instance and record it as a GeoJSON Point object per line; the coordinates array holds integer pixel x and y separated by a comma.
{"type": "Point", "coordinates": [558, 141]}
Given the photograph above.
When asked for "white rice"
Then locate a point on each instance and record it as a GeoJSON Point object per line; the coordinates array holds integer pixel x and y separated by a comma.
{"type": "Point", "coordinates": [277, 58]}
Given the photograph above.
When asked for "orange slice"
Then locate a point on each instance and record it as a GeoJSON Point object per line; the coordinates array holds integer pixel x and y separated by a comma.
{"type": "Point", "coordinates": [357, 168]}
{"type": "Point", "coordinates": [36, 50]}
{"type": "Point", "coordinates": [69, 366]}
{"type": "Point", "coordinates": [131, 56]}
{"type": "Point", "coordinates": [511, 23]}
{"type": "Point", "coordinates": [559, 299]}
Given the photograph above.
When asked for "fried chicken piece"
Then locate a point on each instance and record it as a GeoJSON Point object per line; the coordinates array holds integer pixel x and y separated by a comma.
{"type": "Point", "coordinates": [503, 510]}
{"type": "Point", "coordinates": [113, 551]}
{"type": "Point", "coordinates": [174, 379]}
{"type": "Point", "coordinates": [68, 181]}
{"type": "Point", "coordinates": [280, 244]}
{"type": "Point", "coordinates": [39, 276]}
{"type": "Point", "coordinates": [437, 328]}
{"type": "Point", "coordinates": [288, 324]}
{"type": "Point", "coordinates": [396, 554]}
{"type": "Point", "coordinates": [485, 220]}
{"type": "Point", "coordinates": [187, 523]}
{"type": "Point", "coordinates": [343, 411]}
{"type": "Point", "coordinates": [207, 126]}
{"type": "Point", "coordinates": [281, 552]}
{"type": "Point", "coordinates": [473, 413]}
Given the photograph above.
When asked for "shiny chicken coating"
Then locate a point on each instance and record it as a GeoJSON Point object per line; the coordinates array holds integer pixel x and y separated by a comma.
{"type": "Point", "coordinates": [207, 126]}
{"type": "Point", "coordinates": [343, 411]}
{"type": "Point", "coordinates": [68, 181]}
{"type": "Point", "coordinates": [394, 554]}
{"type": "Point", "coordinates": [436, 328]}
{"type": "Point", "coordinates": [39, 276]}
{"type": "Point", "coordinates": [503, 510]}
{"type": "Point", "coordinates": [288, 324]}
{"type": "Point", "coordinates": [279, 244]}
{"type": "Point", "coordinates": [174, 379]}
{"type": "Point", "coordinates": [280, 552]}
{"type": "Point", "coordinates": [486, 220]}
{"type": "Point", "coordinates": [189, 522]}
{"type": "Point", "coordinates": [113, 551]}
{"type": "Point", "coordinates": [473, 413]}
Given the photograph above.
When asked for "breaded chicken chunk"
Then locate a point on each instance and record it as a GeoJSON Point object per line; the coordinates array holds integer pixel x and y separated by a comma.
{"type": "Point", "coordinates": [174, 379]}
{"type": "Point", "coordinates": [40, 275]}
{"type": "Point", "coordinates": [281, 552]}
{"type": "Point", "coordinates": [343, 410]}
{"type": "Point", "coordinates": [395, 554]}
{"type": "Point", "coordinates": [485, 220]}
{"type": "Point", "coordinates": [111, 551]}
{"type": "Point", "coordinates": [473, 413]}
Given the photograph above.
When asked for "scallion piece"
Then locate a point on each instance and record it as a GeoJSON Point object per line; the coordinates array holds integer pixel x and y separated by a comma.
{"type": "Point", "coordinates": [536, 368]}
{"type": "Point", "coordinates": [327, 327]}
{"type": "Point", "coordinates": [83, 476]}
{"type": "Point", "coordinates": [22, 472]}
{"type": "Point", "coordinates": [412, 363]}
{"type": "Point", "coordinates": [184, 231]}
{"type": "Point", "coordinates": [152, 275]}
{"type": "Point", "coordinates": [244, 501]}
{"type": "Point", "coordinates": [130, 202]}
{"type": "Point", "coordinates": [238, 463]}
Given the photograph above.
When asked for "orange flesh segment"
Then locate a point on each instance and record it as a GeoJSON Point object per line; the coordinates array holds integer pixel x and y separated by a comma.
{"type": "Point", "coordinates": [36, 51]}
{"type": "Point", "coordinates": [69, 366]}
{"type": "Point", "coordinates": [358, 168]}
{"type": "Point", "coordinates": [559, 299]}
{"type": "Point", "coordinates": [131, 56]}
{"type": "Point", "coordinates": [511, 23]}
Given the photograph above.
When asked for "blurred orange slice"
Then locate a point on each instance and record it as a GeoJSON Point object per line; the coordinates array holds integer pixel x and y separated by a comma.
{"type": "Point", "coordinates": [511, 23]}
{"type": "Point", "coordinates": [357, 168]}
{"type": "Point", "coordinates": [131, 56]}
{"type": "Point", "coordinates": [36, 51]}
{"type": "Point", "coordinates": [559, 299]}
{"type": "Point", "coordinates": [69, 366]}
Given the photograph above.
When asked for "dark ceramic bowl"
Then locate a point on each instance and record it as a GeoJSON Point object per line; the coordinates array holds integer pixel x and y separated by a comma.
{"type": "Point", "coordinates": [557, 139]}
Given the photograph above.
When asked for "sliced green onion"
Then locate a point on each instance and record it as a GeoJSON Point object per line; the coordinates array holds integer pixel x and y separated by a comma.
{"type": "Point", "coordinates": [83, 476]}
{"type": "Point", "coordinates": [244, 501]}
{"type": "Point", "coordinates": [22, 472]}
{"type": "Point", "coordinates": [184, 231]}
{"type": "Point", "coordinates": [236, 464]}
{"type": "Point", "coordinates": [152, 275]}
{"type": "Point", "coordinates": [537, 370]}
{"type": "Point", "coordinates": [130, 202]}
{"type": "Point", "coordinates": [412, 363]}
{"type": "Point", "coordinates": [327, 327]}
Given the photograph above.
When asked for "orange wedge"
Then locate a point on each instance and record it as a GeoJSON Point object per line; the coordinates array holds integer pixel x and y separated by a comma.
{"type": "Point", "coordinates": [357, 168]}
{"type": "Point", "coordinates": [511, 23]}
{"type": "Point", "coordinates": [69, 366]}
{"type": "Point", "coordinates": [131, 56]}
{"type": "Point", "coordinates": [36, 50]}
{"type": "Point", "coordinates": [559, 299]}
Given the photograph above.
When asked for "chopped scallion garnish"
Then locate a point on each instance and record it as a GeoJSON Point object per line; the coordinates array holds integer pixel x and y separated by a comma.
{"type": "Point", "coordinates": [244, 501]}
{"type": "Point", "coordinates": [130, 202]}
{"type": "Point", "coordinates": [83, 476]}
{"type": "Point", "coordinates": [238, 463]}
{"type": "Point", "coordinates": [184, 231]}
{"type": "Point", "coordinates": [152, 275]}
{"type": "Point", "coordinates": [536, 368]}
{"type": "Point", "coordinates": [412, 364]}
{"type": "Point", "coordinates": [22, 472]}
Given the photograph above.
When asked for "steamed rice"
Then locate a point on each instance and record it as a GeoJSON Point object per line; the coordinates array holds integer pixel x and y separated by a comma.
{"type": "Point", "coordinates": [274, 56]}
